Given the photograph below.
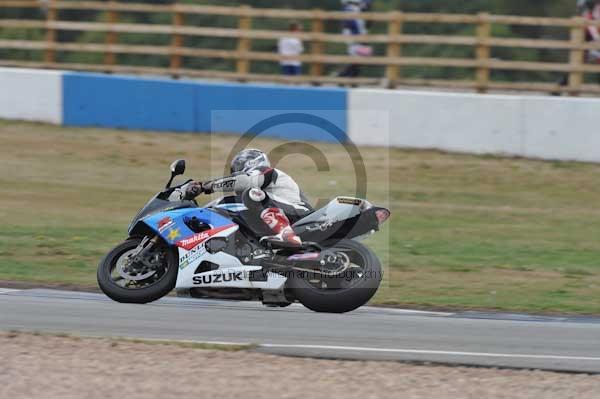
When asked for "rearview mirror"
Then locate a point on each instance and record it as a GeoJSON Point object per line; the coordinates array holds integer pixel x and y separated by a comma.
{"type": "Point", "coordinates": [178, 167]}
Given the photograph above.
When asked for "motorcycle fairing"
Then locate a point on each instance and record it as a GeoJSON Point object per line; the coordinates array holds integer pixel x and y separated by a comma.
{"type": "Point", "coordinates": [339, 209]}
{"type": "Point", "coordinates": [192, 251]}
{"type": "Point", "coordinates": [231, 273]}
{"type": "Point", "coordinates": [191, 246]}
{"type": "Point", "coordinates": [343, 217]}
{"type": "Point", "coordinates": [171, 226]}
{"type": "Point", "coordinates": [236, 207]}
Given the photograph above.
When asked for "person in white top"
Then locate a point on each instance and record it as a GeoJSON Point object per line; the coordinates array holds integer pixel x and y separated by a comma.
{"type": "Point", "coordinates": [291, 48]}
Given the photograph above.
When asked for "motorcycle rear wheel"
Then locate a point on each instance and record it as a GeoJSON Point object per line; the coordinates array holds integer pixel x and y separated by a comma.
{"type": "Point", "coordinates": [355, 288]}
{"type": "Point", "coordinates": [146, 290]}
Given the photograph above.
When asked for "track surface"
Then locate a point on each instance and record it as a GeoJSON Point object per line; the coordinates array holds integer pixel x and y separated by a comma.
{"type": "Point", "coordinates": [499, 340]}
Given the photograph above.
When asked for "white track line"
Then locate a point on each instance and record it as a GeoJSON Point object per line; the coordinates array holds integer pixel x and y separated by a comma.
{"type": "Point", "coordinates": [7, 290]}
{"type": "Point", "coordinates": [381, 350]}
{"type": "Point", "coordinates": [429, 352]}
{"type": "Point", "coordinates": [357, 349]}
{"type": "Point", "coordinates": [406, 311]}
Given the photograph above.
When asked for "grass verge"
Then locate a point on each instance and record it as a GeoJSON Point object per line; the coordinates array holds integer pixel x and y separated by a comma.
{"type": "Point", "coordinates": [466, 232]}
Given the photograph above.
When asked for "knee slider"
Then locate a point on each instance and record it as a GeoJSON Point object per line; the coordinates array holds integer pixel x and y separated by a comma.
{"type": "Point", "coordinates": [257, 195]}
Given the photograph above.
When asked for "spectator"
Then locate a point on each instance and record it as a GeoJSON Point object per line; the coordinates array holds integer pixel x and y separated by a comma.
{"type": "Point", "coordinates": [355, 27]}
{"type": "Point", "coordinates": [291, 47]}
{"type": "Point", "coordinates": [590, 9]}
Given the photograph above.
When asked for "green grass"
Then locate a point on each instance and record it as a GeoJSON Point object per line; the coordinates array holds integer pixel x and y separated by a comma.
{"type": "Point", "coordinates": [466, 231]}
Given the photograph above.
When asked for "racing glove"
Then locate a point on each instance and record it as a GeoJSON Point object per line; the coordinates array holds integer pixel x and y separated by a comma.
{"type": "Point", "coordinates": [207, 187]}
{"type": "Point", "coordinates": [193, 190]}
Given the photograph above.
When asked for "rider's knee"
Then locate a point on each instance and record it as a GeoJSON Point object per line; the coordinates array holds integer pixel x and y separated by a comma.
{"type": "Point", "coordinates": [254, 198]}
{"type": "Point", "coordinates": [256, 195]}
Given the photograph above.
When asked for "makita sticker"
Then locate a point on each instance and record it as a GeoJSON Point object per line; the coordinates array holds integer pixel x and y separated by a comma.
{"type": "Point", "coordinates": [199, 238]}
{"type": "Point", "coordinates": [194, 240]}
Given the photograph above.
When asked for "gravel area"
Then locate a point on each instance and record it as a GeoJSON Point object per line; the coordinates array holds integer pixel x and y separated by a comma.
{"type": "Point", "coordinates": [39, 366]}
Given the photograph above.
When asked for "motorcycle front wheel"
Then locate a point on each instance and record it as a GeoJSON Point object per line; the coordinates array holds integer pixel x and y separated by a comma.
{"type": "Point", "coordinates": [340, 292]}
{"type": "Point", "coordinates": [127, 278]}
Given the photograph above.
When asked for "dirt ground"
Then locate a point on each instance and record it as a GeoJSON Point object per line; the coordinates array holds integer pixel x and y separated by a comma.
{"type": "Point", "coordinates": [38, 366]}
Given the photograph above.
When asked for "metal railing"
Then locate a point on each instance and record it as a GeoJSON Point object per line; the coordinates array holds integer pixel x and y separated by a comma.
{"type": "Point", "coordinates": [317, 57]}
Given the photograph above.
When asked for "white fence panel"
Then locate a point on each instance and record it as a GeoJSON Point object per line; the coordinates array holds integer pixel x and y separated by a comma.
{"type": "Point", "coordinates": [529, 126]}
{"type": "Point", "coordinates": [561, 128]}
{"type": "Point", "coordinates": [32, 95]}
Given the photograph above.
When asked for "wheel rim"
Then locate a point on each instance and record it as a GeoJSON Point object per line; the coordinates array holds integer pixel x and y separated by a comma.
{"type": "Point", "coordinates": [128, 274]}
{"type": "Point", "coordinates": [346, 278]}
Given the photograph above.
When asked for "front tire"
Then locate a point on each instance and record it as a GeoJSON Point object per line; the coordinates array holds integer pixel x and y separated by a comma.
{"type": "Point", "coordinates": [154, 288]}
{"type": "Point", "coordinates": [344, 299]}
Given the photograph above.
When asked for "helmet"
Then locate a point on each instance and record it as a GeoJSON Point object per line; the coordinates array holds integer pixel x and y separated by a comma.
{"type": "Point", "coordinates": [249, 160]}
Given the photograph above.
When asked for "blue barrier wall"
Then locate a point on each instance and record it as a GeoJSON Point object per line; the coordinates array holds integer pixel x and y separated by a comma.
{"type": "Point", "coordinates": [128, 103]}
{"type": "Point", "coordinates": [237, 108]}
{"type": "Point", "coordinates": [163, 104]}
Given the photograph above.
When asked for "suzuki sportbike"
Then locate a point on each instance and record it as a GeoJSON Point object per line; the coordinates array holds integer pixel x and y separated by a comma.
{"type": "Point", "coordinates": [213, 252]}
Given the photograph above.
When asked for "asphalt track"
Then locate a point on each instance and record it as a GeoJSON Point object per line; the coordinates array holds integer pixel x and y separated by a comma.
{"type": "Point", "coordinates": [498, 340]}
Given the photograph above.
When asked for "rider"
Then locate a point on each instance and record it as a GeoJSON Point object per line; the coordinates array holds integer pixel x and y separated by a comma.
{"type": "Point", "coordinates": [271, 192]}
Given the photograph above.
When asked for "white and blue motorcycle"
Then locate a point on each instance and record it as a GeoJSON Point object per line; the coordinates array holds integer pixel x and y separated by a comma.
{"type": "Point", "coordinates": [212, 252]}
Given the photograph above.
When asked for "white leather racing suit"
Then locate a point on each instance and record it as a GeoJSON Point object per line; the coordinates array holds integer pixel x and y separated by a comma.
{"type": "Point", "coordinates": [282, 191]}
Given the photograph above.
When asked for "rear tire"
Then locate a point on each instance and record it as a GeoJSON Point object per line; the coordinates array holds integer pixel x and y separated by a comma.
{"type": "Point", "coordinates": [340, 300]}
{"type": "Point", "coordinates": [147, 294]}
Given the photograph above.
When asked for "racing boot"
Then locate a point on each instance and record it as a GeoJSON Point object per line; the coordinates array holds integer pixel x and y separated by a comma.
{"type": "Point", "coordinates": [277, 221]}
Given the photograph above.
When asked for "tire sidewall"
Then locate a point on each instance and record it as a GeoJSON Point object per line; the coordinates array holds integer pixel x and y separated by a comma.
{"type": "Point", "coordinates": [141, 295]}
{"type": "Point", "coordinates": [343, 300]}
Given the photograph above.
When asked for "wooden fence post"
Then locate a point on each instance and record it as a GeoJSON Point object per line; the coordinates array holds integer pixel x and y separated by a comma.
{"type": "Point", "coordinates": [394, 49]}
{"type": "Point", "coordinates": [576, 55]}
{"type": "Point", "coordinates": [51, 16]}
{"type": "Point", "coordinates": [176, 42]}
{"type": "Point", "coordinates": [484, 30]}
{"type": "Point", "coordinates": [316, 48]}
{"type": "Point", "coordinates": [243, 63]}
{"type": "Point", "coordinates": [112, 17]}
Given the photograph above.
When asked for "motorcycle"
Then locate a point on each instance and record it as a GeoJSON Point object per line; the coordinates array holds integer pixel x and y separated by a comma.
{"type": "Point", "coordinates": [213, 252]}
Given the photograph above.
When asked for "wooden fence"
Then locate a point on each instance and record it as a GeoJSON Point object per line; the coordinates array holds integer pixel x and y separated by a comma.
{"type": "Point", "coordinates": [316, 41]}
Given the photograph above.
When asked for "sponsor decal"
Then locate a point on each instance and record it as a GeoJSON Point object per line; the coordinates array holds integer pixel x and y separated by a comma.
{"type": "Point", "coordinates": [192, 256]}
{"type": "Point", "coordinates": [233, 207]}
{"type": "Point", "coordinates": [217, 278]}
{"type": "Point", "coordinates": [349, 201]}
{"type": "Point", "coordinates": [199, 238]}
{"type": "Point", "coordinates": [223, 185]}
{"type": "Point", "coordinates": [165, 223]}
{"type": "Point", "coordinates": [173, 234]}
{"type": "Point", "coordinates": [320, 226]}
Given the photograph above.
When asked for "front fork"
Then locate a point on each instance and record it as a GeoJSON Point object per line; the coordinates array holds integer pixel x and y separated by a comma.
{"type": "Point", "coordinates": [142, 250]}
